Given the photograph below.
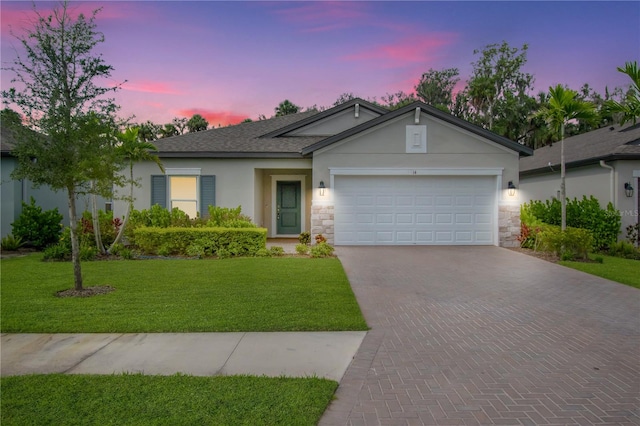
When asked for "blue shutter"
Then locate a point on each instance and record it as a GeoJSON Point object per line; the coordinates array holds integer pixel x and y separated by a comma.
{"type": "Point", "coordinates": [207, 194]}
{"type": "Point", "coordinates": [159, 190]}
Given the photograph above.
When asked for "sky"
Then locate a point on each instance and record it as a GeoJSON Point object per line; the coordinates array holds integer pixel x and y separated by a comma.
{"type": "Point", "coordinates": [232, 60]}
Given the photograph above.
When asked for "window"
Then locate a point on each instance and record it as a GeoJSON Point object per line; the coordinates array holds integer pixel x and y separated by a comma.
{"type": "Point", "coordinates": [190, 193]}
{"type": "Point", "coordinates": [183, 194]}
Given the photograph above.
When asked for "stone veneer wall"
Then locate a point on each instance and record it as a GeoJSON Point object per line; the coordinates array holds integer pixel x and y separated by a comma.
{"type": "Point", "coordinates": [509, 225]}
{"type": "Point", "coordinates": [322, 222]}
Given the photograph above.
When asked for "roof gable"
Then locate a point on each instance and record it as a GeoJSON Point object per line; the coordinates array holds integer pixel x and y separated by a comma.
{"type": "Point", "coordinates": [421, 107]}
{"type": "Point", "coordinates": [332, 121]}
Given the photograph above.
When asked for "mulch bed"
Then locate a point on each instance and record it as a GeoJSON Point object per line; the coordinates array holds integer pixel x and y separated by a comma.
{"type": "Point", "coordinates": [549, 257]}
{"type": "Point", "coordinates": [86, 292]}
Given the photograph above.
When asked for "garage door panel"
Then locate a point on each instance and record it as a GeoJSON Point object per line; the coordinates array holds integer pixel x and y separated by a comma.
{"type": "Point", "coordinates": [415, 210]}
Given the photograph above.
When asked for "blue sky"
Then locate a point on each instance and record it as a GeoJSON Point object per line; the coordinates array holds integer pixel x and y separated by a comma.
{"type": "Point", "coordinates": [232, 60]}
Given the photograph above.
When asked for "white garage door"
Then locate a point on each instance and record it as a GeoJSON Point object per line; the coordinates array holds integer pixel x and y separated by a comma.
{"type": "Point", "coordinates": [424, 210]}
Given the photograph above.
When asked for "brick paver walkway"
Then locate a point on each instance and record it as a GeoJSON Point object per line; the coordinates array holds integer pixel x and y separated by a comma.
{"type": "Point", "coordinates": [485, 335]}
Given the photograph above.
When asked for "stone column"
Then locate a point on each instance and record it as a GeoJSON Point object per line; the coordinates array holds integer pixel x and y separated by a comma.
{"type": "Point", "coordinates": [509, 225]}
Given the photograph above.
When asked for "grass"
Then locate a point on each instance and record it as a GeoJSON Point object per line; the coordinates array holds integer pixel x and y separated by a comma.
{"type": "Point", "coordinates": [240, 294]}
{"type": "Point", "coordinates": [162, 400]}
{"type": "Point", "coordinates": [625, 271]}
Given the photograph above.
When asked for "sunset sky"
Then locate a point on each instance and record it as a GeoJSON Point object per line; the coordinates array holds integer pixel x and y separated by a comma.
{"type": "Point", "coordinates": [231, 60]}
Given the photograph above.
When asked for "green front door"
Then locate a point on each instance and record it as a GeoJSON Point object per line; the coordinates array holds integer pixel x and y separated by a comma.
{"type": "Point", "coordinates": [288, 207]}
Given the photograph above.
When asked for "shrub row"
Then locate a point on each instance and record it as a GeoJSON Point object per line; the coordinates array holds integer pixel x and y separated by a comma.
{"type": "Point", "coordinates": [222, 242]}
{"type": "Point", "coordinates": [604, 224]}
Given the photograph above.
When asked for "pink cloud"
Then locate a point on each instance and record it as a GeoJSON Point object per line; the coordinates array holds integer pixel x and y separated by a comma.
{"type": "Point", "coordinates": [157, 87]}
{"type": "Point", "coordinates": [215, 118]}
{"type": "Point", "coordinates": [407, 51]}
{"type": "Point", "coordinates": [324, 16]}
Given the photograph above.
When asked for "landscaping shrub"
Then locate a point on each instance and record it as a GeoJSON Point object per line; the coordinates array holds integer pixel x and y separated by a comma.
{"type": "Point", "coordinates": [305, 238]}
{"type": "Point", "coordinates": [11, 243]}
{"type": "Point", "coordinates": [176, 241]}
{"type": "Point", "coordinates": [573, 242]}
{"type": "Point", "coordinates": [633, 234]}
{"type": "Point", "coordinates": [36, 227]}
{"type": "Point", "coordinates": [303, 248]}
{"type": "Point", "coordinates": [226, 217]}
{"type": "Point", "coordinates": [604, 224]}
{"type": "Point", "coordinates": [625, 250]}
{"type": "Point", "coordinates": [320, 239]}
{"type": "Point", "coordinates": [109, 226]}
{"type": "Point", "coordinates": [322, 250]}
{"type": "Point", "coordinates": [59, 252]}
{"type": "Point", "coordinates": [276, 251]}
{"type": "Point", "coordinates": [263, 252]}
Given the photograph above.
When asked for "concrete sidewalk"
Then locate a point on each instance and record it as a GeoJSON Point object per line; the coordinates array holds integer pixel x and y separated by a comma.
{"type": "Point", "coordinates": [294, 354]}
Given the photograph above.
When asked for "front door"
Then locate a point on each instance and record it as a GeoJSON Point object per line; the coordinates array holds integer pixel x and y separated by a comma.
{"type": "Point", "coordinates": [288, 207]}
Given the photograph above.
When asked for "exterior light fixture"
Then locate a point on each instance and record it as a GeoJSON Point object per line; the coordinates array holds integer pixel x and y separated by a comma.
{"type": "Point", "coordinates": [322, 188]}
{"type": "Point", "coordinates": [511, 189]}
{"type": "Point", "coordinates": [628, 189]}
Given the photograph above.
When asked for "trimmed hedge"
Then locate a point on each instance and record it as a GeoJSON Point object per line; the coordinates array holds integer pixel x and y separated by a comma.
{"type": "Point", "coordinates": [203, 241]}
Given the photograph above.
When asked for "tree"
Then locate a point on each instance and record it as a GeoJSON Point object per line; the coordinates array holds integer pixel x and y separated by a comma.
{"type": "Point", "coordinates": [344, 97]}
{"type": "Point", "coordinates": [133, 149]}
{"type": "Point", "coordinates": [180, 124]}
{"type": "Point", "coordinates": [148, 131]}
{"type": "Point", "coordinates": [197, 123]}
{"type": "Point", "coordinates": [436, 88]}
{"type": "Point", "coordinates": [168, 130]}
{"type": "Point", "coordinates": [61, 99]}
{"type": "Point", "coordinates": [564, 106]}
{"type": "Point", "coordinates": [498, 90]}
{"type": "Point", "coordinates": [629, 108]}
{"type": "Point", "coordinates": [286, 107]}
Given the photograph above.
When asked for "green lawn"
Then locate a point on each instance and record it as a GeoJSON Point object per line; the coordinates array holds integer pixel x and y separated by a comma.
{"type": "Point", "coordinates": [239, 294]}
{"type": "Point", "coordinates": [625, 271]}
{"type": "Point", "coordinates": [157, 400]}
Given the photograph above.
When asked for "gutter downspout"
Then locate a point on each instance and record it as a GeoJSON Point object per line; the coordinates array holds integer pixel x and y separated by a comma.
{"type": "Point", "coordinates": [612, 192]}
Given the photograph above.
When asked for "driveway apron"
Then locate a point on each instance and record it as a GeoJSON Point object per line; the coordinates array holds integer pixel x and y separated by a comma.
{"type": "Point", "coordinates": [486, 335]}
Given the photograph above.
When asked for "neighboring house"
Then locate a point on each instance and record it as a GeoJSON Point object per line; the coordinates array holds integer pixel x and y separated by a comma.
{"type": "Point", "coordinates": [356, 173]}
{"type": "Point", "coordinates": [14, 192]}
{"type": "Point", "coordinates": [604, 163]}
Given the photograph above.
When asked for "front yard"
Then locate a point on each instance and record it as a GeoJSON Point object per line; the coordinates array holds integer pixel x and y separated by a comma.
{"type": "Point", "coordinates": [154, 296]}
{"type": "Point", "coordinates": [625, 271]}
{"type": "Point", "coordinates": [239, 294]}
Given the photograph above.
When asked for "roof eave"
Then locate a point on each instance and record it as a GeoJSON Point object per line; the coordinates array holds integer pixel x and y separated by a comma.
{"type": "Point", "coordinates": [580, 163]}
{"type": "Point", "coordinates": [214, 154]}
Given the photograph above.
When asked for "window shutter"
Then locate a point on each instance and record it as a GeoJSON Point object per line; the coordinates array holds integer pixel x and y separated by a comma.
{"type": "Point", "coordinates": [207, 194]}
{"type": "Point", "coordinates": [159, 190]}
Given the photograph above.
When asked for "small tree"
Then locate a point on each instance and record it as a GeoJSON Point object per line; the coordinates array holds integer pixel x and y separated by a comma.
{"type": "Point", "coordinates": [286, 107]}
{"type": "Point", "coordinates": [134, 150]}
{"type": "Point", "coordinates": [197, 123]}
{"type": "Point", "coordinates": [629, 108]}
{"type": "Point", "coordinates": [60, 98]}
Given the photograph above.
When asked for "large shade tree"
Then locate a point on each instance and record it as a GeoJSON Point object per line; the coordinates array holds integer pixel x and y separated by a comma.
{"type": "Point", "coordinates": [58, 90]}
{"type": "Point", "coordinates": [564, 106]}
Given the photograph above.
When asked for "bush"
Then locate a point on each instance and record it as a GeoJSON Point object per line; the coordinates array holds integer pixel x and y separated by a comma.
{"type": "Point", "coordinates": [322, 250]}
{"type": "Point", "coordinates": [604, 224]}
{"type": "Point", "coordinates": [633, 234]}
{"type": "Point", "coordinates": [305, 238]}
{"type": "Point", "coordinates": [59, 252]}
{"type": "Point", "coordinates": [36, 227]}
{"type": "Point", "coordinates": [88, 253]}
{"type": "Point", "coordinates": [109, 226]}
{"type": "Point", "coordinates": [302, 248]}
{"type": "Point", "coordinates": [625, 250]}
{"type": "Point", "coordinates": [573, 242]}
{"type": "Point", "coordinates": [226, 217]}
{"type": "Point", "coordinates": [175, 241]}
{"type": "Point", "coordinates": [320, 239]}
{"type": "Point", "coordinates": [11, 243]}
{"type": "Point", "coordinates": [263, 252]}
{"type": "Point", "coordinates": [276, 251]}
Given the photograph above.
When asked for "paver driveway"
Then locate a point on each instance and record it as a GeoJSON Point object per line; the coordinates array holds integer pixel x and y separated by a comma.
{"type": "Point", "coordinates": [485, 335]}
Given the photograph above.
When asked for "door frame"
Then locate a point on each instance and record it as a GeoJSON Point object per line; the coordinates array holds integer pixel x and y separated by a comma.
{"type": "Point", "coordinates": [273, 232]}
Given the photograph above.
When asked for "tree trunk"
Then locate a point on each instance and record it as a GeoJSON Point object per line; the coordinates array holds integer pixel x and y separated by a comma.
{"type": "Point", "coordinates": [563, 191]}
{"type": "Point", "coordinates": [129, 209]}
{"type": "Point", "coordinates": [95, 217]}
{"type": "Point", "coordinates": [75, 244]}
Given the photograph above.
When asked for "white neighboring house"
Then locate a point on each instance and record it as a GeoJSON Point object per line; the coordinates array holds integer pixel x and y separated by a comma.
{"type": "Point", "coordinates": [357, 173]}
{"type": "Point", "coordinates": [604, 163]}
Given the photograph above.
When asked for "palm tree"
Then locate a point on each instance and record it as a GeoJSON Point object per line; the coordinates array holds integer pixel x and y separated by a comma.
{"type": "Point", "coordinates": [134, 149]}
{"type": "Point", "coordinates": [630, 107]}
{"type": "Point", "coordinates": [564, 106]}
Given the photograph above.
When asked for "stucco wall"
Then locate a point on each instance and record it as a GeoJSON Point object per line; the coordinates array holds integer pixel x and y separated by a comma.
{"type": "Point", "coordinates": [590, 180]}
{"type": "Point", "coordinates": [238, 181]}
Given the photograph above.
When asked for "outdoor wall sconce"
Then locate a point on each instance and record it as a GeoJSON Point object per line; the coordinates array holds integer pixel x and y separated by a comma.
{"type": "Point", "coordinates": [628, 189]}
{"type": "Point", "coordinates": [511, 189]}
{"type": "Point", "coordinates": [322, 188]}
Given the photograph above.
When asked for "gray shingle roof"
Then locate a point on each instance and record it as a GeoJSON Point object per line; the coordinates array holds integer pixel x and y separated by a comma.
{"type": "Point", "coordinates": [608, 143]}
{"type": "Point", "coordinates": [240, 140]}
